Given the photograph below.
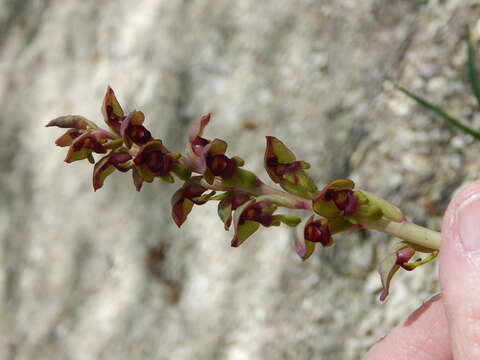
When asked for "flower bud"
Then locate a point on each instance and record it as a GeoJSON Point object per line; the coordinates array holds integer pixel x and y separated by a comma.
{"type": "Point", "coordinates": [255, 212]}
{"type": "Point", "coordinates": [388, 210]}
{"type": "Point", "coordinates": [71, 122]}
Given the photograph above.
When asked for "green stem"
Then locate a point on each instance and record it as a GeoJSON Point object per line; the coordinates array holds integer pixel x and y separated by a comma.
{"type": "Point", "coordinates": [296, 202]}
{"type": "Point", "coordinates": [291, 201]}
{"type": "Point", "coordinates": [407, 231]}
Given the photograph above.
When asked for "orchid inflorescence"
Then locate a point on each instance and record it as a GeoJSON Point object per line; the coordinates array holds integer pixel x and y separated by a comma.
{"type": "Point", "coordinates": [208, 174]}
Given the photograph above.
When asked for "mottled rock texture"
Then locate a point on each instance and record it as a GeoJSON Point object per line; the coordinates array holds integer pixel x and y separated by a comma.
{"type": "Point", "coordinates": [108, 276]}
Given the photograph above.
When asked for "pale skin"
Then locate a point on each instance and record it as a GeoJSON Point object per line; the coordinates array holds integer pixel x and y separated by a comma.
{"type": "Point", "coordinates": [448, 325]}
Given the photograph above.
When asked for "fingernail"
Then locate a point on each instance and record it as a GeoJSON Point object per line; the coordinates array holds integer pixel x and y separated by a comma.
{"type": "Point", "coordinates": [468, 220]}
{"type": "Point", "coordinates": [432, 298]}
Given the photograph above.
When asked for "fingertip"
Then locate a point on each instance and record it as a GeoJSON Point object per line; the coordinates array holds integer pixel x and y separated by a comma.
{"type": "Point", "coordinates": [459, 197]}
{"type": "Point", "coordinates": [460, 270]}
{"type": "Point", "coordinates": [460, 217]}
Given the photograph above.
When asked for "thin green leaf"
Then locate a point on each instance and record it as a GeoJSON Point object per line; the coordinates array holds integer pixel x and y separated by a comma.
{"type": "Point", "coordinates": [440, 112]}
{"type": "Point", "coordinates": [472, 69]}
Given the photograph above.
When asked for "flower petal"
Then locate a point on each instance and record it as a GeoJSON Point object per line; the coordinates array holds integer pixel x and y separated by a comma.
{"type": "Point", "coordinates": [112, 111]}
{"type": "Point", "coordinates": [67, 138]}
{"type": "Point", "coordinates": [102, 169]}
{"type": "Point", "coordinates": [218, 147]}
{"type": "Point", "coordinates": [84, 145]}
{"type": "Point", "coordinates": [225, 211]}
{"type": "Point", "coordinates": [389, 266]}
{"type": "Point", "coordinates": [184, 199]}
{"type": "Point", "coordinates": [137, 179]}
{"type": "Point", "coordinates": [197, 147]}
{"type": "Point", "coordinates": [245, 229]}
{"type": "Point", "coordinates": [180, 210]}
{"type": "Point", "coordinates": [341, 184]}
{"type": "Point", "coordinates": [197, 128]}
{"type": "Point", "coordinates": [135, 118]}
{"type": "Point", "coordinates": [107, 165]}
{"type": "Point", "coordinates": [303, 248]}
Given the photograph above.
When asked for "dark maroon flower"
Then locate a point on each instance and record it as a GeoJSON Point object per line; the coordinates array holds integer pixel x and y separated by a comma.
{"type": "Point", "coordinates": [317, 231]}
{"type": "Point", "coordinates": [221, 165]}
{"type": "Point", "coordinates": [280, 169]}
{"type": "Point", "coordinates": [260, 212]}
{"type": "Point", "coordinates": [249, 216]}
{"type": "Point", "coordinates": [208, 157]}
{"type": "Point", "coordinates": [133, 131]}
{"type": "Point", "coordinates": [403, 257]}
{"type": "Point", "coordinates": [152, 160]}
{"type": "Point", "coordinates": [158, 163]}
{"type": "Point", "coordinates": [139, 134]}
{"type": "Point", "coordinates": [399, 257]}
{"type": "Point", "coordinates": [284, 169]}
{"type": "Point", "coordinates": [82, 146]}
{"type": "Point", "coordinates": [77, 125]}
{"type": "Point", "coordinates": [231, 201]}
{"type": "Point", "coordinates": [337, 199]}
{"type": "Point", "coordinates": [345, 200]}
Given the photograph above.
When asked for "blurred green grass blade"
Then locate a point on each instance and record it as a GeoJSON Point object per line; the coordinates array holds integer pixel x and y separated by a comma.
{"type": "Point", "coordinates": [440, 112]}
{"type": "Point", "coordinates": [472, 69]}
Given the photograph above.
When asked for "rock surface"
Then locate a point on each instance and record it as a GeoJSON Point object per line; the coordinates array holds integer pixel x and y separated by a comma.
{"type": "Point", "coordinates": [108, 275]}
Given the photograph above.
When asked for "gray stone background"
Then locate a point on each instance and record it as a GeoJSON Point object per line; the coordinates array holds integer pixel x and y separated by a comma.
{"type": "Point", "coordinates": [107, 275]}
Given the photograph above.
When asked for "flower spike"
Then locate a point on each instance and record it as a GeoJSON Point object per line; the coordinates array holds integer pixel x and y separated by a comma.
{"type": "Point", "coordinates": [243, 199]}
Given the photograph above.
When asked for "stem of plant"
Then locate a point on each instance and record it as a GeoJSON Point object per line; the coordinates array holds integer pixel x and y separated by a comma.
{"type": "Point", "coordinates": [410, 232]}
{"type": "Point", "coordinates": [291, 201]}
{"type": "Point", "coordinates": [407, 231]}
